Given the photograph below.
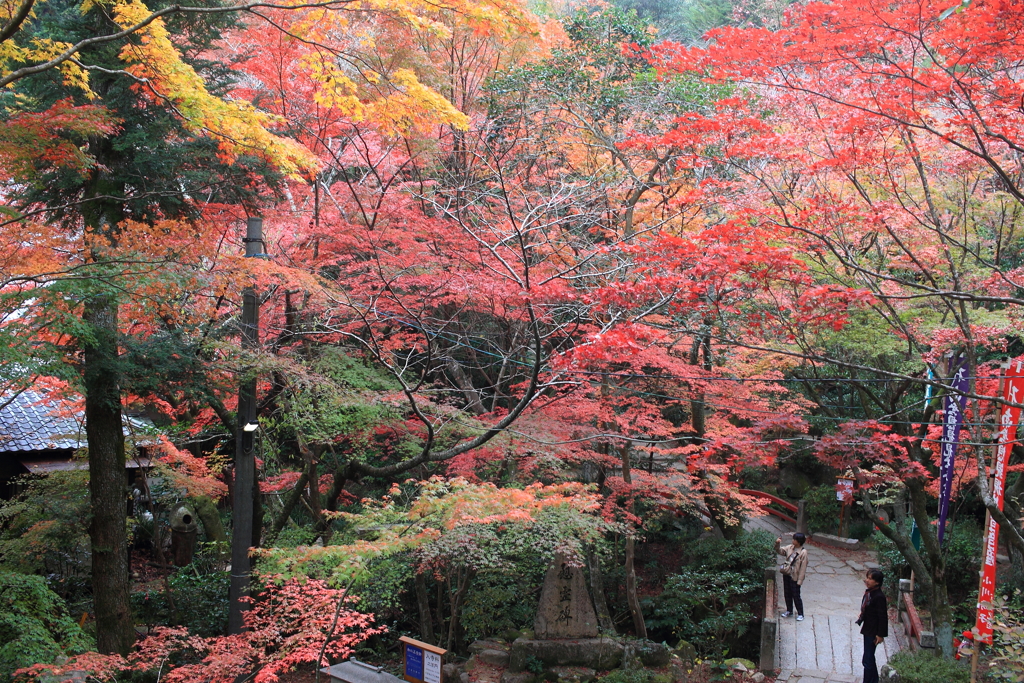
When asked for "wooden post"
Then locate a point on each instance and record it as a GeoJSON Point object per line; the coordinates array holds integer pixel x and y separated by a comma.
{"type": "Point", "coordinates": [245, 461]}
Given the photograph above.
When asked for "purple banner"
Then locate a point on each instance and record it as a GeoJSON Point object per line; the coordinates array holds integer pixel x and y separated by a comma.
{"type": "Point", "coordinates": [953, 408]}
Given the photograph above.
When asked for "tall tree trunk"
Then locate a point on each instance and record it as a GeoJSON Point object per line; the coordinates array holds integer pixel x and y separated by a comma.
{"type": "Point", "coordinates": [938, 603]}
{"type": "Point", "coordinates": [101, 377]}
{"type": "Point", "coordinates": [313, 497]}
{"type": "Point", "coordinates": [465, 580]}
{"type": "Point", "coordinates": [104, 430]}
{"type": "Point", "coordinates": [311, 454]}
{"type": "Point", "coordinates": [700, 353]}
{"type": "Point", "coordinates": [931, 578]}
{"type": "Point", "coordinates": [701, 346]}
{"type": "Point", "coordinates": [423, 602]}
{"type": "Point", "coordinates": [942, 619]}
{"type": "Point", "coordinates": [289, 504]}
{"type": "Point", "coordinates": [337, 486]}
{"type": "Point", "coordinates": [604, 615]}
{"type": "Point", "coordinates": [632, 599]}
{"type": "Point", "coordinates": [441, 594]}
{"type": "Point", "coordinates": [474, 403]}
{"type": "Point", "coordinates": [1013, 511]}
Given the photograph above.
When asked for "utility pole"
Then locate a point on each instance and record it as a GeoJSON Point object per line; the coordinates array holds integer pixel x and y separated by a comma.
{"type": "Point", "coordinates": [245, 461]}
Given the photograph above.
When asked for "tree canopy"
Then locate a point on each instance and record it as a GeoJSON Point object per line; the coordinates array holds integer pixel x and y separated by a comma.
{"type": "Point", "coordinates": [534, 277]}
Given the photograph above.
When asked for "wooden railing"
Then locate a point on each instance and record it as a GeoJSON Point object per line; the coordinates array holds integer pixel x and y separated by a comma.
{"type": "Point", "coordinates": [774, 499]}
{"type": "Point", "coordinates": [912, 622]}
{"type": "Point", "coordinates": [769, 621]}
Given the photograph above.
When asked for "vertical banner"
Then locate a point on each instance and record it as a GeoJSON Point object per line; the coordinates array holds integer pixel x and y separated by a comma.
{"type": "Point", "coordinates": [954, 418]}
{"type": "Point", "coordinates": [1013, 391]}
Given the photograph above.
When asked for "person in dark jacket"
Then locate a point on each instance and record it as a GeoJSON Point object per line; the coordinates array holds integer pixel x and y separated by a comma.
{"type": "Point", "coordinates": [874, 621]}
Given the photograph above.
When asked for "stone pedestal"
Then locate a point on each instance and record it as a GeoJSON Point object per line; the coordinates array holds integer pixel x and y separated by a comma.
{"type": "Point", "coordinates": [600, 654]}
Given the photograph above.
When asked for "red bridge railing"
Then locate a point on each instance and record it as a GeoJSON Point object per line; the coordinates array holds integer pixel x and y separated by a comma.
{"type": "Point", "coordinates": [773, 499]}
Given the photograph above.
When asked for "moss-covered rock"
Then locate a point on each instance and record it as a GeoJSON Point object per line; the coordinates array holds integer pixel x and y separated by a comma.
{"type": "Point", "coordinates": [737, 662]}
{"type": "Point", "coordinates": [685, 651]}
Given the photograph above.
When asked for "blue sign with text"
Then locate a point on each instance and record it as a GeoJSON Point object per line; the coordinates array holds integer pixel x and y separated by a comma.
{"type": "Point", "coordinates": [414, 662]}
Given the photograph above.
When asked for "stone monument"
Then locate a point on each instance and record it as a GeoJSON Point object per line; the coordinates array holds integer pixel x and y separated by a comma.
{"type": "Point", "coordinates": [565, 609]}
{"type": "Point", "coordinates": [566, 639]}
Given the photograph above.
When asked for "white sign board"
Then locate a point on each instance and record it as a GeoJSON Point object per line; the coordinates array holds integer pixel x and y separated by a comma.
{"type": "Point", "coordinates": [431, 667]}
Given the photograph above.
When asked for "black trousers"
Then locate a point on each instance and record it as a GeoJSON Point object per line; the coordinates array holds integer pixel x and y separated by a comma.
{"type": "Point", "coordinates": [791, 589]}
{"type": "Point", "coordinates": [870, 666]}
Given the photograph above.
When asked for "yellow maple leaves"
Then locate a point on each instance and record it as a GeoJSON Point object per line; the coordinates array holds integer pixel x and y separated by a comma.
{"type": "Point", "coordinates": [13, 52]}
{"type": "Point", "coordinates": [410, 105]}
{"type": "Point", "coordinates": [238, 127]}
{"type": "Point", "coordinates": [354, 77]}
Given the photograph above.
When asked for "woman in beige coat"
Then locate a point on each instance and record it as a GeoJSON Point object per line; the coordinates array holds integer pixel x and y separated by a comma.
{"type": "Point", "coordinates": [793, 571]}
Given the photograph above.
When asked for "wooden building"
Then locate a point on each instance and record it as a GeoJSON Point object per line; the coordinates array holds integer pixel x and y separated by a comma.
{"type": "Point", "coordinates": [41, 433]}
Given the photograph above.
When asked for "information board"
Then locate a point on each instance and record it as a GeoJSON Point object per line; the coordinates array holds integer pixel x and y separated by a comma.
{"type": "Point", "coordinates": [413, 663]}
{"type": "Point", "coordinates": [422, 661]}
{"type": "Point", "coordinates": [844, 490]}
{"type": "Point", "coordinates": [431, 667]}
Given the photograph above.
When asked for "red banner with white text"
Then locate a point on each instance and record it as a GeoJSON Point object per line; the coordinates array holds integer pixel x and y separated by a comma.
{"type": "Point", "coordinates": [1013, 391]}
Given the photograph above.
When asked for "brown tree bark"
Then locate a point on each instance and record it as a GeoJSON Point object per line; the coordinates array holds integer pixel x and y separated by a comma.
{"type": "Point", "coordinates": [604, 615]}
{"type": "Point", "coordinates": [464, 579]}
{"type": "Point", "coordinates": [465, 385]}
{"type": "Point", "coordinates": [101, 383]}
{"type": "Point", "coordinates": [337, 486]}
{"type": "Point", "coordinates": [423, 602]}
{"type": "Point", "coordinates": [289, 504]}
{"type": "Point", "coordinates": [700, 353]}
{"type": "Point", "coordinates": [632, 598]}
{"type": "Point", "coordinates": [104, 431]}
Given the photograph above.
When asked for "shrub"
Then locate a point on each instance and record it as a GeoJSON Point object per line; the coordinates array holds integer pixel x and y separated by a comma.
{"type": "Point", "coordinates": [295, 536]}
{"type": "Point", "coordinates": [924, 667]}
{"type": "Point", "coordinates": [201, 600]}
{"type": "Point", "coordinates": [43, 531]}
{"type": "Point", "coordinates": [34, 624]}
{"type": "Point", "coordinates": [495, 603]}
{"type": "Point", "coordinates": [707, 607]}
{"type": "Point", "coordinates": [387, 586]}
{"type": "Point", "coordinates": [748, 555]}
{"type": "Point", "coordinates": [712, 602]}
{"type": "Point", "coordinates": [534, 665]}
{"type": "Point", "coordinates": [822, 510]}
{"type": "Point", "coordinates": [628, 676]}
{"type": "Point", "coordinates": [861, 529]}
{"type": "Point", "coordinates": [285, 628]}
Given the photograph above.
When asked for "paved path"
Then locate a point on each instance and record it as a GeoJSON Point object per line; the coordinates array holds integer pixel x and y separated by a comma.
{"type": "Point", "coordinates": [827, 644]}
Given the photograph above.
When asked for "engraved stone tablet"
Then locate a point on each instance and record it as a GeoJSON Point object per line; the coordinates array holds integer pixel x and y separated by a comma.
{"type": "Point", "coordinates": [565, 609]}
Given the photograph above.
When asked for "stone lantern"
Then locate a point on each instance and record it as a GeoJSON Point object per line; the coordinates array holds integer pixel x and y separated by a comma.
{"type": "Point", "coordinates": [184, 530]}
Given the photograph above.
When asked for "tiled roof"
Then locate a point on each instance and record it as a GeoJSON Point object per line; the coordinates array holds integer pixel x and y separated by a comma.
{"type": "Point", "coordinates": [36, 422]}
